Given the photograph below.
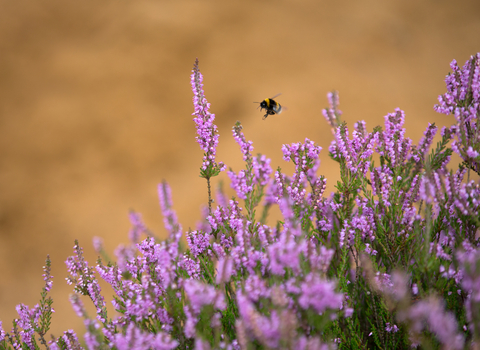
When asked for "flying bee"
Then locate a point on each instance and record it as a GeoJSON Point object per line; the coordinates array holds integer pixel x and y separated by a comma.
{"type": "Point", "coordinates": [271, 106]}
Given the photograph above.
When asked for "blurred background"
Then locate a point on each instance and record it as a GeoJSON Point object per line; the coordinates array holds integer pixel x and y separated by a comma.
{"type": "Point", "coordinates": [95, 106]}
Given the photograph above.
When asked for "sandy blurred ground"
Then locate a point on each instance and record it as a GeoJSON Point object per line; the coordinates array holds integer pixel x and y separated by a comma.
{"type": "Point", "coordinates": [95, 105]}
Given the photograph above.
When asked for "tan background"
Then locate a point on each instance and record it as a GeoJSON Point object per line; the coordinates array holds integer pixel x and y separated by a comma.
{"type": "Point", "coordinates": [95, 105]}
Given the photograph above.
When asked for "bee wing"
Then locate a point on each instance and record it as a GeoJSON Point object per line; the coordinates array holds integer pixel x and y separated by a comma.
{"type": "Point", "coordinates": [281, 109]}
{"type": "Point", "coordinates": [275, 96]}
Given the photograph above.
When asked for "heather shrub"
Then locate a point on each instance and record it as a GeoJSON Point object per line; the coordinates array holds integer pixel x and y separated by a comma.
{"type": "Point", "coordinates": [390, 260]}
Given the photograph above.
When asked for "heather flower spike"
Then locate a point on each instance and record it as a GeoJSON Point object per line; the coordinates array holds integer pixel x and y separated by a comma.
{"type": "Point", "coordinates": [249, 183]}
{"type": "Point", "coordinates": [207, 134]}
{"type": "Point", "coordinates": [462, 99]}
{"type": "Point", "coordinates": [332, 114]}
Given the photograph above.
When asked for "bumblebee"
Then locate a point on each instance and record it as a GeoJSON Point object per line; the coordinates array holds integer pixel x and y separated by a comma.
{"type": "Point", "coordinates": [271, 106]}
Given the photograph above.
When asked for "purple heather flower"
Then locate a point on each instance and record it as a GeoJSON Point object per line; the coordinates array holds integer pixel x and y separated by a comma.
{"type": "Point", "coordinates": [399, 285]}
{"type": "Point", "coordinates": [286, 207]}
{"type": "Point", "coordinates": [261, 170]}
{"type": "Point", "coordinates": [141, 300]}
{"type": "Point", "coordinates": [312, 343]}
{"type": "Point", "coordinates": [94, 291]}
{"type": "Point", "coordinates": [319, 257]}
{"type": "Point", "coordinates": [296, 189]}
{"type": "Point", "coordinates": [276, 189]}
{"type": "Point", "coordinates": [304, 156]}
{"type": "Point", "coordinates": [207, 135]}
{"type": "Point", "coordinates": [440, 322]}
{"type": "Point", "coordinates": [201, 344]}
{"type": "Point", "coordinates": [467, 198]}
{"type": "Point", "coordinates": [332, 114]}
{"type": "Point", "coordinates": [47, 276]}
{"type": "Point", "coordinates": [356, 151]}
{"type": "Point", "coordinates": [254, 259]}
{"type": "Point", "coordinates": [383, 282]}
{"type": "Point", "coordinates": [198, 242]}
{"type": "Point", "coordinates": [427, 189]}
{"type": "Point", "coordinates": [28, 321]}
{"type": "Point", "coordinates": [70, 341]}
{"type": "Point", "coordinates": [218, 250]}
{"type": "Point", "coordinates": [135, 338]}
{"type": "Point", "coordinates": [391, 142]}
{"type": "Point", "coordinates": [369, 250]}
{"type": "Point", "coordinates": [365, 220]}
{"type": "Point", "coordinates": [97, 244]}
{"type": "Point", "coordinates": [239, 226]}
{"type": "Point", "coordinates": [264, 234]}
{"type": "Point", "coordinates": [222, 215]}
{"type": "Point", "coordinates": [191, 266]}
{"type": "Point", "coordinates": [222, 199]}
{"type": "Point", "coordinates": [224, 270]}
{"type": "Point", "coordinates": [85, 282]}
{"type": "Point", "coordinates": [414, 289]}
{"type": "Point", "coordinates": [285, 253]}
{"type": "Point", "coordinates": [240, 183]}
{"type": "Point", "coordinates": [382, 182]}
{"type": "Point", "coordinates": [169, 216]}
{"type": "Point", "coordinates": [138, 227]}
{"type": "Point", "coordinates": [462, 83]}
{"type": "Point", "coordinates": [125, 255]}
{"type": "Point", "coordinates": [159, 258]}
{"type": "Point", "coordinates": [256, 288]}
{"type": "Point", "coordinates": [245, 146]}
{"type": "Point", "coordinates": [470, 281]}
{"type": "Point", "coordinates": [471, 153]}
{"type": "Point", "coordinates": [462, 100]}
{"type": "Point", "coordinates": [360, 130]}
{"type": "Point", "coordinates": [258, 168]}
{"type": "Point", "coordinates": [334, 206]}
{"type": "Point", "coordinates": [199, 294]}
{"type": "Point", "coordinates": [319, 294]}
{"type": "Point", "coordinates": [190, 322]}
{"type": "Point", "coordinates": [163, 341]}
{"type": "Point", "coordinates": [203, 225]}
{"type": "Point", "coordinates": [347, 235]}
{"type": "Point", "coordinates": [412, 195]}
{"type": "Point", "coordinates": [344, 147]}
{"type": "Point", "coordinates": [470, 263]}
{"type": "Point", "coordinates": [2, 332]}
{"type": "Point", "coordinates": [92, 336]}
{"type": "Point", "coordinates": [391, 329]}
{"type": "Point", "coordinates": [77, 305]}
{"type": "Point", "coordinates": [267, 330]}
{"type": "Point", "coordinates": [425, 143]}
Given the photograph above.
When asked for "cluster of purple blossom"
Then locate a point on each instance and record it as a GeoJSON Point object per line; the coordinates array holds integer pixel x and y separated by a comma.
{"type": "Point", "coordinates": [462, 99]}
{"type": "Point", "coordinates": [390, 260]}
{"type": "Point", "coordinates": [207, 134]}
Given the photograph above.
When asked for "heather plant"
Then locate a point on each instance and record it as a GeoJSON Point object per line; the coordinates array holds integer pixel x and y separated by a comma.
{"type": "Point", "coordinates": [389, 260]}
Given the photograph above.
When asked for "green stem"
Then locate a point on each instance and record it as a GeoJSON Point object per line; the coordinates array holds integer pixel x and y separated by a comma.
{"type": "Point", "coordinates": [210, 200]}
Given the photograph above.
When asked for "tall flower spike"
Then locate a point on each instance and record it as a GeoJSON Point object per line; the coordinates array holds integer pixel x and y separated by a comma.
{"type": "Point", "coordinates": [332, 114]}
{"type": "Point", "coordinates": [207, 135]}
{"type": "Point", "coordinates": [243, 182]}
{"type": "Point", "coordinates": [462, 99]}
{"type": "Point", "coordinates": [169, 215]}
